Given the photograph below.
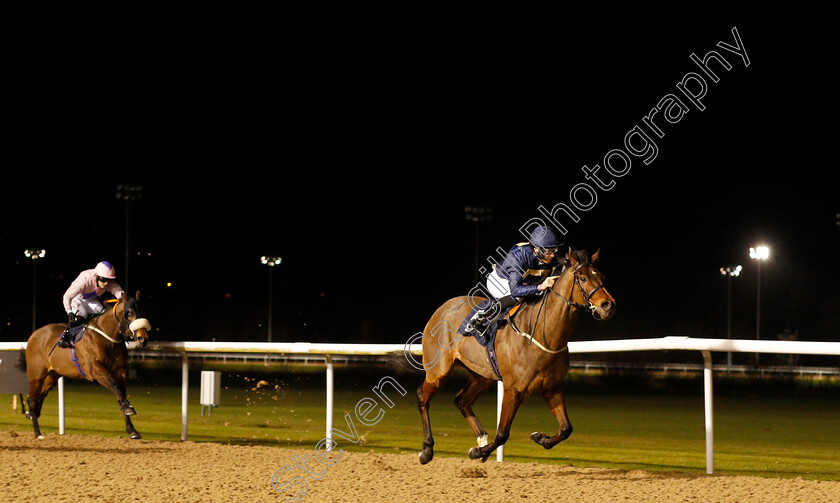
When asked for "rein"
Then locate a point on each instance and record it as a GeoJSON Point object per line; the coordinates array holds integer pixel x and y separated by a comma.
{"type": "Point", "coordinates": [586, 296]}
{"type": "Point", "coordinates": [126, 330]}
{"type": "Point", "coordinates": [588, 305]}
{"type": "Point", "coordinates": [103, 334]}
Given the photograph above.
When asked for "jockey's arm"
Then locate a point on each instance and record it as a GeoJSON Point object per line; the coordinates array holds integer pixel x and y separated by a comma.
{"type": "Point", "coordinates": [115, 289]}
{"type": "Point", "coordinates": [76, 287]}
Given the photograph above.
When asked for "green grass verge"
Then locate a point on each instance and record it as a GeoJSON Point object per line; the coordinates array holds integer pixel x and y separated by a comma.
{"type": "Point", "coordinates": [783, 436]}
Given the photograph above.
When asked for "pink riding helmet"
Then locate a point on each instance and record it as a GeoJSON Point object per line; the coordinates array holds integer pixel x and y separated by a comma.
{"type": "Point", "coordinates": [105, 270]}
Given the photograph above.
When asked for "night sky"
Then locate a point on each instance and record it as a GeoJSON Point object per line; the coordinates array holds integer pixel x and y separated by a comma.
{"type": "Point", "coordinates": [351, 150]}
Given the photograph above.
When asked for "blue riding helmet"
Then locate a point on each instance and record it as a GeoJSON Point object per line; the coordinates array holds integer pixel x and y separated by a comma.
{"type": "Point", "coordinates": [544, 236]}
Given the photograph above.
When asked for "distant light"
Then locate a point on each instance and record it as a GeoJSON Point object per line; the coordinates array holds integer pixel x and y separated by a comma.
{"type": "Point", "coordinates": [731, 271]}
{"type": "Point", "coordinates": [271, 260]}
{"type": "Point", "coordinates": [34, 254]}
{"type": "Point", "coordinates": [168, 284]}
{"type": "Point", "coordinates": [127, 192]}
{"type": "Point", "coordinates": [760, 253]}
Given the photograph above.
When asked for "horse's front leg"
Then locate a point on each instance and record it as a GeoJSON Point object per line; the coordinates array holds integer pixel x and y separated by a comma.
{"type": "Point", "coordinates": [511, 401]}
{"type": "Point", "coordinates": [128, 412]}
{"type": "Point", "coordinates": [556, 403]}
{"type": "Point", "coordinates": [116, 384]}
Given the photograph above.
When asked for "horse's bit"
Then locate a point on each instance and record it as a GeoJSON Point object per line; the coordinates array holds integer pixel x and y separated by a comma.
{"type": "Point", "coordinates": [127, 330]}
{"type": "Point", "coordinates": [586, 296]}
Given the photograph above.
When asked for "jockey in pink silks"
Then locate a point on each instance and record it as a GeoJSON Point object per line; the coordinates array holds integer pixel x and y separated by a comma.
{"type": "Point", "coordinates": [81, 300]}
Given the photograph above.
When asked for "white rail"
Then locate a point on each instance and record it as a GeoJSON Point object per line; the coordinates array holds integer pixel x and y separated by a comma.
{"type": "Point", "coordinates": [704, 346]}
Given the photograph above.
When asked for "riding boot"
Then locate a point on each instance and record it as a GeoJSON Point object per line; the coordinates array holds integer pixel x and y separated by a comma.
{"type": "Point", "coordinates": [484, 318]}
{"type": "Point", "coordinates": [65, 340]}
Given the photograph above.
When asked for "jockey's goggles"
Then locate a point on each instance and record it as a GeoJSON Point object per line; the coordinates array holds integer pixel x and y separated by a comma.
{"type": "Point", "coordinates": [104, 280]}
{"type": "Point", "coordinates": [546, 251]}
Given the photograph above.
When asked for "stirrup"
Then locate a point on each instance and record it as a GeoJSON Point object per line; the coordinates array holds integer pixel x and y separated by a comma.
{"type": "Point", "coordinates": [478, 323]}
{"type": "Point", "coordinates": [65, 340]}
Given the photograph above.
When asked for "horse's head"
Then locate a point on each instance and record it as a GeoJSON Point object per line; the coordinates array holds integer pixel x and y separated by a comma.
{"type": "Point", "coordinates": [589, 291]}
{"type": "Point", "coordinates": [131, 324]}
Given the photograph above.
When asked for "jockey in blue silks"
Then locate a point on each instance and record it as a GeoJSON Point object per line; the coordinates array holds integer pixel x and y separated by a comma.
{"type": "Point", "coordinates": [525, 272]}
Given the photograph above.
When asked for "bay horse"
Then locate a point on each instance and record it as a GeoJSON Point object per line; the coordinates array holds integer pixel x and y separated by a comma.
{"type": "Point", "coordinates": [100, 355]}
{"type": "Point", "coordinates": [532, 360]}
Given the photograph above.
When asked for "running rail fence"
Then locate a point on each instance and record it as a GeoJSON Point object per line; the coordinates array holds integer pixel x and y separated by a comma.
{"type": "Point", "coordinates": [704, 346]}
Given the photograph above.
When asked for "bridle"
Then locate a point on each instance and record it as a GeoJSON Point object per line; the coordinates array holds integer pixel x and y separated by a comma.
{"type": "Point", "coordinates": [127, 330]}
{"type": "Point", "coordinates": [586, 296]}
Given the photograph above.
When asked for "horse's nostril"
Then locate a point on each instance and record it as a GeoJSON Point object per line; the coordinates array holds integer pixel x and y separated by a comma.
{"type": "Point", "coordinates": [606, 305]}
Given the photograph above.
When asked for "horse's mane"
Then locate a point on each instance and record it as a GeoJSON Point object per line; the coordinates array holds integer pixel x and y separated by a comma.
{"type": "Point", "coordinates": [581, 256]}
{"type": "Point", "coordinates": [130, 304]}
{"type": "Point", "coordinates": [133, 304]}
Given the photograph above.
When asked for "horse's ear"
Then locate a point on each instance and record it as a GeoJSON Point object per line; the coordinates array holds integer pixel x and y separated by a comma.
{"type": "Point", "coordinates": [596, 256]}
{"type": "Point", "coordinates": [571, 257]}
{"type": "Point", "coordinates": [137, 295]}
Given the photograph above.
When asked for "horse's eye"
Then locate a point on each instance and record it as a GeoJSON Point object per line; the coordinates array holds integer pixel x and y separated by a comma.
{"type": "Point", "coordinates": [583, 279]}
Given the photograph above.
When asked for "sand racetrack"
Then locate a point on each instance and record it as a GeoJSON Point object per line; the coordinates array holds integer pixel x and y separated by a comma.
{"type": "Point", "coordinates": [76, 468]}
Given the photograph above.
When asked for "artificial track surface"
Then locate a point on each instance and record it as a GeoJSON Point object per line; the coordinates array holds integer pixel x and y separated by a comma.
{"type": "Point", "coordinates": [75, 468]}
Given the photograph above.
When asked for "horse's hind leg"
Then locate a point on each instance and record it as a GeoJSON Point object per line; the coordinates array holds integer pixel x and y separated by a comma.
{"type": "Point", "coordinates": [476, 386]}
{"type": "Point", "coordinates": [557, 405]}
{"type": "Point", "coordinates": [38, 389]}
{"type": "Point", "coordinates": [424, 396]}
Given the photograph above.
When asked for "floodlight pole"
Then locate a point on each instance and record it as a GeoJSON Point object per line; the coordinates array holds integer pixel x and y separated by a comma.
{"type": "Point", "coordinates": [34, 255]}
{"type": "Point", "coordinates": [128, 193]}
{"type": "Point", "coordinates": [758, 254]}
{"type": "Point", "coordinates": [729, 272]}
{"type": "Point", "coordinates": [477, 215]}
{"type": "Point", "coordinates": [270, 261]}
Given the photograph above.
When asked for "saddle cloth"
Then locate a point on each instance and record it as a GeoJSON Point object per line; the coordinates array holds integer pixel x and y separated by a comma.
{"type": "Point", "coordinates": [488, 338]}
{"type": "Point", "coordinates": [76, 333]}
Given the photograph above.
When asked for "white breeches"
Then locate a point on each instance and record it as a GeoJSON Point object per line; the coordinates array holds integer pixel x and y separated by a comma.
{"type": "Point", "coordinates": [86, 307]}
{"type": "Point", "coordinates": [497, 286]}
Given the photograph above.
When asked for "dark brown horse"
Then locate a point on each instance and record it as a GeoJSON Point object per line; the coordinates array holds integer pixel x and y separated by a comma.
{"type": "Point", "coordinates": [100, 355]}
{"type": "Point", "coordinates": [533, 354]}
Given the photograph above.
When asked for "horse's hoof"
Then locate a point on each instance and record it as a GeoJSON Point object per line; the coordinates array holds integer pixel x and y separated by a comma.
{"type": "Point", "coordinates": [134, 435]}
{"type": "Point", "coordinates": [474, 453]}
{"type": "Point", "coordinates": [129, 411]}
{"type": "Point", "coordinates": [27, 416]}
{"type": "Point", "coordinates": [425, 457]}
{"type": "Point", "coordinates": [537, 437]}
{"type": "Point", "coordinates": [40, 437]}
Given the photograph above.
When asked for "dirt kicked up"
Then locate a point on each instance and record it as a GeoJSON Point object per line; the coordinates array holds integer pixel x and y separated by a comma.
{"type": "Point", "coordinates": [75, 468]}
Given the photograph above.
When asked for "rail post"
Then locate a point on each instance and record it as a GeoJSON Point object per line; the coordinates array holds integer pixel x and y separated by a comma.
{"type": "Point", "coordinates": [185, 389]}
{"type": "Point", "coordinates": [61, 405]}
{"type": "Point", "coordinates": [330, 397]}
{"type": "Point", "coordinates": [708, 399]}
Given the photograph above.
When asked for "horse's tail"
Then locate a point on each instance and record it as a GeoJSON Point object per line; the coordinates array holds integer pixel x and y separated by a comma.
{"type": "Point", "coordinates": [21, 361]}
{"type": "Point", "coordinates": [404, 360]}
